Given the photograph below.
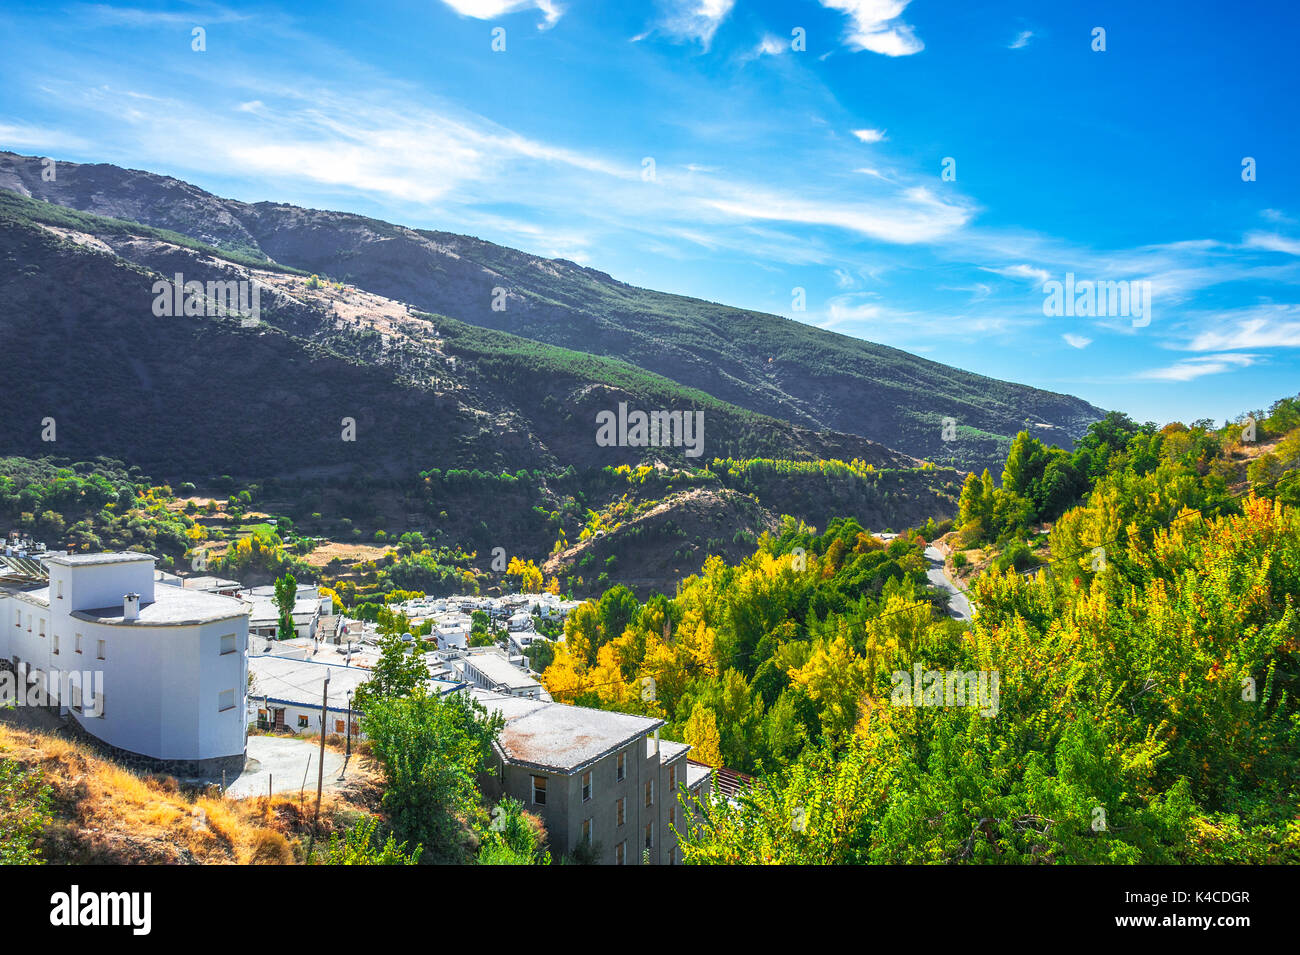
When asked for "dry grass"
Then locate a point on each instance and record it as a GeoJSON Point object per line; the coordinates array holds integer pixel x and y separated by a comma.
{"type": "Point", "coordinates": [105, 814]}
{"type": "Point", "coordinates": [348, 553]}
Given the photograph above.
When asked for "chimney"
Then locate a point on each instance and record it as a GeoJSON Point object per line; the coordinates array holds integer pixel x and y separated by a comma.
{"type": "Point", "coordinates": [131, 607]}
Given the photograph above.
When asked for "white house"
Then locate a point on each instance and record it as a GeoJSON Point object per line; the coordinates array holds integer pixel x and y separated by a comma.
{"type": "Point", "coordinates": [161, 670]}
{"type": "Point", "coordinates": [308, 606]}
{"type": "Point", "coordinates": [490, 669]}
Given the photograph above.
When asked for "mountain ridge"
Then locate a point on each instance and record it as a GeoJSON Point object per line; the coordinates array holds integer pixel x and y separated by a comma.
{"type": "Point", "coordinates": [768, 364]}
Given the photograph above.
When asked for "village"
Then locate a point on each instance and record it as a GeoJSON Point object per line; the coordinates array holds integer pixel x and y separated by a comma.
{"type": "Point", "coordinates": [192, 677]}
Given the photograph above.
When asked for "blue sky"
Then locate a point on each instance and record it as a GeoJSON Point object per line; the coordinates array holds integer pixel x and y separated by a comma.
{"type": "Point", "coordinates": [773, 168]}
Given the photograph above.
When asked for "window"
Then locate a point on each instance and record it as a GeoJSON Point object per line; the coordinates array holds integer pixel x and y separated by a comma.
{"type": "Point", "coordinates": [60, 589]}
{"type": "Point", "coordinates": [56, 644]}
{"type": "Point", "coordinates": [650, 835]}
{"type": "Point", "coordinates": [76, 697]}
{"type": "Point", "coordinates": [586, 831]}
{"type": "Point", "coordinates": [303, 723]}
{"type": "Point", "coordinates": [99, 649]}
{"type": "Point", "coordinates": [620, 851]}
{"type": "Point", "coordinates": [649, 793]}
{"type": "Point", "coordinates": [622, 767]}
{"type": "Point", "coordinates": [672, 815]}
{"type": "Point", "coordinates": [228, 644]}
{"type": "Point", "coordinates": [620, 805]}
{"type": "Point", "coordinates": [539, 790]}
{"type": "Point", "coordinates": [339, 726]}
{"type": "Point", "coordinates": [226, 700]}
{"type": "Point", "coordinates": [18, 618]}
{"type": "Point", "coordinates": [586, 786]}
{"type": "Point", "coordinates": [40, 627]}
{"type": "Point", "coordinates": [77, 642]}
{"type": "Point", "coordinates": [672, 779]}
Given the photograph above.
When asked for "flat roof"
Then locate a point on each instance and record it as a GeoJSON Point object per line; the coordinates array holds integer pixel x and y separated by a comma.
{"type": "Point", "coordinates": [302, 682]}
{"type": "Point", "coordinates": [171, 607]}
{"type": "Point", "coordinates": [558, 737]}
{"type": "Point", "coordinates": [82, 560]}
{"type": "Point", "coordinates": [499, 670]}
{"type": "Point", "coordinates": [669, 750]}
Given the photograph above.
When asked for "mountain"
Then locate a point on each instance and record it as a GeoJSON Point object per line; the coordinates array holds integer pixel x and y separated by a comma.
{"type": "Point", "coordinates": [200, 395]}
{"type": "Point", "coordinates": [772, 366]}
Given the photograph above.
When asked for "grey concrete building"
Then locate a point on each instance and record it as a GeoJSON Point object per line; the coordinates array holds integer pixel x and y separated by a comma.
{"type": "Point", "coordinates": [592, 776]}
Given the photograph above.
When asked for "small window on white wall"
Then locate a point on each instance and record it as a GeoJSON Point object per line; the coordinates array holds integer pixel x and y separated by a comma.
{"type": "Point", "coordinates": [60, 590]}
{"type": "Point", "coordinates": [99, 649]}
{"type": "Point", "coordinates": [226, 700]}
{"type": "Point", "coordinates": [228, 644]}
{"type": "Point", "coordinates": [77, 642]}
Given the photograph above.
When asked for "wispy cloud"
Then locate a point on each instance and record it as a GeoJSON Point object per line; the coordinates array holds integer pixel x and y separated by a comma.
{"type": "Point", "coordinates": [1272, 242]}
{"type": "Point", "coordinates": [492, 9]}
{"type": "Point", "coordinates": [870, 135]}
{"type": "Point", "coordinates": [1264, 326]}
{"type": "Point", "coordinates": [1021, 41]}
{"type": "Point", "coordinates": [1190, 369]}
{"type": "Point", "coordinates": [695, 20]}
{"type": "Point", "coordinates": [875, 25]}
{"type": "Point", "coordinates": [1021, 271]}
{"type": "Point", "coordinates": [914, 215]}
{"type": "Point", "coordinates": [1076, 341]}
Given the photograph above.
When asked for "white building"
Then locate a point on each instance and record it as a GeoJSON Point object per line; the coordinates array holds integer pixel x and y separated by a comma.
{"type": "Point", "coordinates": [288, 693]}
{"type": "Point", "coordinates": [167, 672]}
{"type": "Point", "coordinates": [490, 669]}
{"type": "Point", "coordinates": [308, 606]}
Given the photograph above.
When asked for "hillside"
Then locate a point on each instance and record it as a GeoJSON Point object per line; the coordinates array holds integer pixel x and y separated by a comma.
{"type": "Point", "coordinates": [194, 396]}
{"type": "Point", "coordinates": [763, 363]}
{"type": "Point", "coordinates": [102, 814]}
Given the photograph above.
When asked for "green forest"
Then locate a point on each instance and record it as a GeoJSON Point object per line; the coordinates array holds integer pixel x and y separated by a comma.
{"type": "Point", "coordinates": [1145, 671]}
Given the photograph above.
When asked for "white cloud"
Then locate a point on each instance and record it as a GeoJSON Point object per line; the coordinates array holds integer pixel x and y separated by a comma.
{"type": "Point", "coordinates": [875, 25]}
{"type": "Point", "coordinates": [1190, 369]}
{"type": "Point", "coordinates": [870, 135]}
{"type": "Point", "coordinates": [1272, 242]}
{"type": "Point", "coordinates": [1268, 326]}
{"type": "Point", "coordinates": [1022, 40]}
{"type": "Point", "coordinates": [492, 9]}
{"type": "Point", "coordinates": [1076, 341]}
{"type": "Point", "coordinates": [34, 137]}
{"type": "Point", "coordinates": [696, 20]}
{"type": "Point", "coordinates": [1037, 276]}
{"type": "Point", "coordinates": [914, 216]}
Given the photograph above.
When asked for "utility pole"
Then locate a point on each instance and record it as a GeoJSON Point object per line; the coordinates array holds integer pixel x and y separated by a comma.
{"type": "Point", "coordinates": [320, 770]}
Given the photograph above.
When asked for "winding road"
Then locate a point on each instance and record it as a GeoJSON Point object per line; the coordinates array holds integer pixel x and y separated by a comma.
{"type": "Point", "coordinates": [958, 606]}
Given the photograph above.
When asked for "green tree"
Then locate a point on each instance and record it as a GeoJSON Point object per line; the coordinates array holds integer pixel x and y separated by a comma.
{"type": "Point", "coordinates": [398, 672]}
{"type": "Point", "coordinates": [431, 750]}
{"type": "Point", "coordinates": [361, 847]}
{"type": "Point", "coordinates": [24, 814]}
{"type": "Point", "coordinates": [286, 592]}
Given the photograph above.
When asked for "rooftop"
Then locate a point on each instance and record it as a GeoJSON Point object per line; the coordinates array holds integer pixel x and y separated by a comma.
{"type": "Point", "coordinates": [84, 560]}
{"type": "Point", "coordinates": [302, 682]}
{"type": "Point", "coordinates": [669, 750]}
{"type": "Point", "coordinates": [558, 737]}
{"type": "Point", "coordinates": [171, 607]}
{"type": "Point", "coordinates": [499, 670]}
